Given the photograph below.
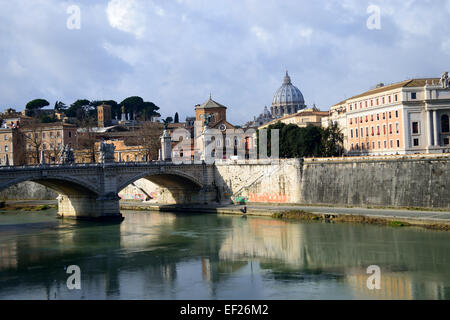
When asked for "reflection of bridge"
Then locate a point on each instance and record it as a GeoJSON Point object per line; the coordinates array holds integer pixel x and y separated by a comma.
{"type": "Point", "coordinates": [90, 190]}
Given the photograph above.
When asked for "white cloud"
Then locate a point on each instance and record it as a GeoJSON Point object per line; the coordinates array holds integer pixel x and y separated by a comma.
{"type": "Point", "coordinates": [261, 34]}
{"type": "Point", "coordinates": [126, 15]}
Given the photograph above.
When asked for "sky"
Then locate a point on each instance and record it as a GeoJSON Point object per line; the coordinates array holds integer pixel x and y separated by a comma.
{"type": "Point", "coordinates": [176, 53]}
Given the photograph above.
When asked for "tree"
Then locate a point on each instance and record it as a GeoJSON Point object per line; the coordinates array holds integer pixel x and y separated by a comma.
{"type": "Point", "coordinates": [147, 138]}
{"type": "Point", "coordinates": [32, 136]}
{"type": "Point", "coordinates": [87, 138]}
{"type": "Point", "coordinates": [35, 105]}
{"type": "Point", "coordinates": [169, 119]}
{"type": "Point", "coordinates": [60, 106]}
{"type": "Point", "coordinates": [136, 105]}
{"type": "Point", "coordinates": [332, 140]}
{"type": "Point", "coordinates": [296, 142]}
{"type": "Point", "coordinates": [78, 109]}
{"type": "Point", "coordinates": [176, 120]}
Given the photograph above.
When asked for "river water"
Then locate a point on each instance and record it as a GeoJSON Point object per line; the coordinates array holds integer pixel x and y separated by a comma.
{"type": "Point", "coordinates": [179, 256]}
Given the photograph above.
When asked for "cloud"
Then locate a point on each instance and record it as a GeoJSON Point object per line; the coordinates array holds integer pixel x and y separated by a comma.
{"type": "Point", "coordinates": [175, 53]}
{"type": "Point", "coordinates": [126, 15]}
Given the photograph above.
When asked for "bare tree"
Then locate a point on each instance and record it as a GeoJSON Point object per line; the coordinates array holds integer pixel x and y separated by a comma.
{"type": "Point", "coordinates": [32, 136]}
{"type": "Point", "coordinates": [87, 138]}
{"type": "Point", "coordinates": [147, 138]}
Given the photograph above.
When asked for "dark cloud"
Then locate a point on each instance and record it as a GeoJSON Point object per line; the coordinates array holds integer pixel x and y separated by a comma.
{"type": "Point", "coordinates": [175, 53]}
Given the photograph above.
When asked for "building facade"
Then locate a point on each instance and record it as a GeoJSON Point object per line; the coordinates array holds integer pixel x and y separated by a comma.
{"type": "Point", "coordinates": [408, 117]}
{"type": "Point", "coordinates": [302, 118]}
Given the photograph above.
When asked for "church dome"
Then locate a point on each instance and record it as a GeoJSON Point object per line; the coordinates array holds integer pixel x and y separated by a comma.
{"type": "Point", "coordinates": [288, 93]}
{"type": "Point", "coordinates": [288, 99]}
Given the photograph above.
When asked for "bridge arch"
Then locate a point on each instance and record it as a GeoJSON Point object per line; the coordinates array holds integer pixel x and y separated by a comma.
{"type": "Point", "coordinates": [182, 187]}
{"type": "Point", "coordinates": [60, 184]}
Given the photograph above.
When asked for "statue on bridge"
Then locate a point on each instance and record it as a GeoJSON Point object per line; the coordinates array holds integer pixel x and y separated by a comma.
{"type": "Point", "coordinates": [66, 156]}
{"type": "Point", "coordinates": [107, 152]}
{"type": "Point", "coordinates": [445, 82]}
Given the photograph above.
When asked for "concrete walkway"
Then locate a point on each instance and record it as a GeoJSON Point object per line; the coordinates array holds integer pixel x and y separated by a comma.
{"type": "Point", "coordinates": [268, 210]}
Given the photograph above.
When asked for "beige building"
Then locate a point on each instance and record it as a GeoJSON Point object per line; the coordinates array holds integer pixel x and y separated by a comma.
{"type": "Point", "coordinates": [302, 118]}
{"type": "Point", "coordinates": [47, 137]}
{"type": "Point", "coordinates": [407, 117]}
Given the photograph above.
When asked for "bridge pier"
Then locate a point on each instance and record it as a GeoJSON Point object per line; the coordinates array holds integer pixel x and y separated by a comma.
{"type": "Point", "coordinates": [87, 207]}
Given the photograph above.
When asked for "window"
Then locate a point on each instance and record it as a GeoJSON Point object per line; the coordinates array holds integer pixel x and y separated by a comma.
{"type": "Point", "coordinates": [367, 118]}
{"type": "Point", "coordinates": [371, 103]}
{"type": "Point", "coordinates": [357, 146]}
{"type": "Point", "coordinates": [389, 99]}
{"type": "Point", "coordinates": [378, 116]}
{"type": "Point", "coordinates": [371, 117]}
{"type": "Point", "coordinates": [446, 141]}
{"type": "Point", "coordinates": [58, 134]}
{"type": "Point", "coordinates": [384, 116]}
{"type": "Point", "coordinates": [396, 113]}
{"type": "Point", "coordinates": [362, 132]}
{"type": "Point", "coordinates": [397, 128]}
{"type": "Point", "coordinates": [373, 145]}
{"type": "Point", "coordinates": [356, 132]}
{"type": "Point", "coordinates": [415, 127]}
{"type": "Point", "coordinates": [366, 103]}
{"type": "Point", "coordinates": [391, 143]}
{"type": "Point", "coordinates": [360, 105]}
{"type": "Point", "coordinates": [351, 121]}
{"type": "Point", "coordinates": [390, 128]}
{"type": "Point", "coordinates": [373, 131]}
{"type": "Point", "coordinates": [385, 144]}
{"type": "Point", "coordinates": [70, 135]}
{"type": "Point", "coordinates": [44, 146]}
{"type": "Point", "coordinates": [43, 135]}
{"type": "Point", "coordinates": [390, 115]}
{"type": "Point", "coordinates": [413, 95]}
{"type": "Point", "coordinates": [6, 148]}
{"type": "Point", "coordinates": [351, 133]}
{"type": "Point", "coordinates": [445, 125]}
{"type": "Point", "coordinates": [396, 98]}
{"type": "Point", "coordinates": [383, 100]}
{"type": "Point", "coordinates": [367, 131]}
{"type": "Point", "coordinates": [398, 143]}
{"type": "Point", "coordinates": [378, 101]}
{"type": "Point", "coordinates": [384, 129]}
{"type": "Point", "coordinates": [51, 134]}
{"type": "Point", "coordinates": [416, 142]}
{"type": "Point", "coordinates": [368, 146]}
{"type": "Point", "coordinates": [378, 130]}
{"type": "Point", "coordinates": [5, 137]}
{"type": "Point", "coordinates": [379, 145]}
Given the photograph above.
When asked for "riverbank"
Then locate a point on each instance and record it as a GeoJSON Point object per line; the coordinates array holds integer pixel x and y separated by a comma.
{"type": "Point", "coordinates": [427, 218]}
{"type": "Point", "coordinates": [435, 220]}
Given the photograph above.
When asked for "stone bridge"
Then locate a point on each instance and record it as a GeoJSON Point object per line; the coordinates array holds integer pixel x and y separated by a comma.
{"type": "Point", "coordinates": [90, 191]}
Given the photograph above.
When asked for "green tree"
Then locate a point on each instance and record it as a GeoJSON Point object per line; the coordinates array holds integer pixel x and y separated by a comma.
{"type": "Point", "coordinates": [332, 141]}
{"type": "Point", "coordinates": [34, 105]}
{"type": "Point", "coordinates": [296, 142]}
{"type": "Point", "coordinates": [141, 108]}
{"type": "Point", "coordinates": [60, 106]}
{"type": "Point", "coordinates": [78, 108]}
{"type": "Point", "coordinates": [176, 119]}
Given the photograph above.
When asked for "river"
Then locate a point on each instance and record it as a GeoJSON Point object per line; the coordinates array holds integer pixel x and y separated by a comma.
{"type": "Point", "coordinates": [179, 256]}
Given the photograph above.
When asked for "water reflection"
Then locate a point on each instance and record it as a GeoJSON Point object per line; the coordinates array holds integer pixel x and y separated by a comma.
{"type": "Point", "coordinates": [168, 256]}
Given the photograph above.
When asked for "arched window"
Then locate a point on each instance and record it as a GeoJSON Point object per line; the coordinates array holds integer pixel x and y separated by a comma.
{"type": "Point", "coordinates": [445, 123]}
